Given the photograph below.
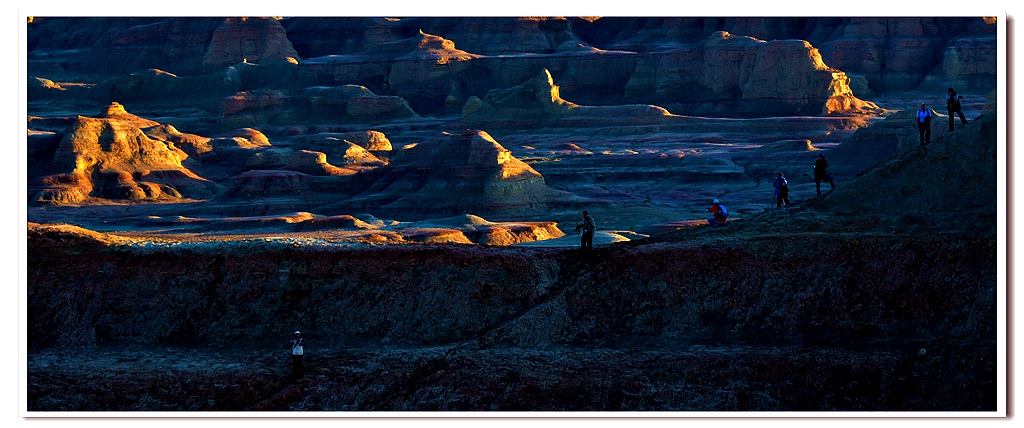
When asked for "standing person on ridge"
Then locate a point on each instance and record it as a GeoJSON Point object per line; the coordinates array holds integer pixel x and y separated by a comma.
{"type": "Point", "coordinates": [953, 107]}
{"type": "Point", "coordinates": [720, 214]}
{"type": "Point", "coordinates": [781, 191]}
{"type": "Point", "coordinates": [924, 125]}
{"type": "Point", "coordinates": [297, 344]}
{"type": "Point", "coordinates": [821, 173]}
{"type": "Point", "coordinates": [588, 227]}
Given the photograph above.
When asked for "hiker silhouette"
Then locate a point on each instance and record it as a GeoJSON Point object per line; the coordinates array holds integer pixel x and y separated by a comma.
{"type": "Point", "coordinates": [821, 173]}
{"type": "Point", "coordinates": [953, 107]}
{"type": "Point", "coordinates": [588, 227]}
{"type": "Point", "coordinates": [781, 191]}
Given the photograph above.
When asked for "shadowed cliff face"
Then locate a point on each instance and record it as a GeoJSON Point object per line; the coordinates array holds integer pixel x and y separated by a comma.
{"type": "Point", "coordinates": [772, 323]}
{"type": "Point", "coordinates": [775, 290]}
{"type": "Point", "coordinates": [433, 65]}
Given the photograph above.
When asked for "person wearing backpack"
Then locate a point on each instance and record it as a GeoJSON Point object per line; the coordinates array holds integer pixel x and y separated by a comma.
{"type": "Point", "coordinates": [781, 191]}
{"type": "Point", "coordinates": [924, 125]}
{"type": "Point", "coordinates": [953, 107]}
{"type": "Point", "coordinates": [821, 173]}
{"type": "Point", "coordinates": [720, 214]}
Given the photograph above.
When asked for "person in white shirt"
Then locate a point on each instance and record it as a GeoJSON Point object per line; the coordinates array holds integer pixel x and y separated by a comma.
{"type": "Point", "coordinates": [297, 344]}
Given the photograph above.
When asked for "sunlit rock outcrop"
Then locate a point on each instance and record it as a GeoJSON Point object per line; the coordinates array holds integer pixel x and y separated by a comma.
{"type": "Point", "coordinates": [459, 173]}
{"type": "Point", "coordinates": [738, 75]}
{"type": "Point", "coordinates": [313, 163]}
{"type": "Point", "coordinates": [342, 151]}
{"type": "Point", "coordinates": [110, 157]}
{"type": "Point", "coordinates": [539, 99]}
{"type": "Point", "coordinates": [374, 141]}
{"type": "Point", "coordinates": [481, 231]}
{"type": "Point", "coordinates": [190, 144]}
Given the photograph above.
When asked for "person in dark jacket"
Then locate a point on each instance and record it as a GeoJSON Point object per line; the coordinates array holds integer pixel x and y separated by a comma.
{"type": "Point", "coordinates": [821, 173]}
{"type": "Point", "coordinates": [719, 214]}
{"type": "Point", "coordinates": [781, 191]}
{"type": "Point", "coordinates": [924, 125]}
{"type": "Point", "coordinates": [588, 227]}
{"type": "Point", "coordinates": [953, 107]}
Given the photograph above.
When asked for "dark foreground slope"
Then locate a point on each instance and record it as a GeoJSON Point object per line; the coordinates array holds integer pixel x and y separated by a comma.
{"type": "Point", "coordinates": [757, 324]}
{"type": "Point", "coordinates": [822, 307]}
{"type": "Point", "coordinates": [745, 324]}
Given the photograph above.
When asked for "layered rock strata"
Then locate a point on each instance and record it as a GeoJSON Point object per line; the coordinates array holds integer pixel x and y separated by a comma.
{"type": "Point", "coordinates": [415, 59]}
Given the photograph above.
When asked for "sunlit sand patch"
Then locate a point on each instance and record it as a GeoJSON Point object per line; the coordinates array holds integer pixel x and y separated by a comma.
{"type": "Point", "coordinates": [790, 145]}
{"type": "Point", "coordinates": [601, 237]}
{"type": "Point", "coordinates": [620, 152]}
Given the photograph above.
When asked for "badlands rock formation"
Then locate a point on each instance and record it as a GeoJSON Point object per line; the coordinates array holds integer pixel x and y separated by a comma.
{"type": "Point", "coordinates": [354, 178]}
{"type": "Point", "coordinates": [110, 157]}
{"type": "Point", "coordinates": [890, 54]}
{"type": "Point", "coordinates": [896, 305]}
{"type": "Point", "coordinates": [437, 64]}
{"type": "Point", "coordinates": [313, 105]}
{"type": "Point", "coordinates": [622, 91]}
{"type": "Point", "coordinates": [181, 46]}
{"type": "Point", "coordinates": [468, 172]}
{"type": "Point", "coordinates": [539, 100]}
{"type": "Point", "coordinates": [739, 75]}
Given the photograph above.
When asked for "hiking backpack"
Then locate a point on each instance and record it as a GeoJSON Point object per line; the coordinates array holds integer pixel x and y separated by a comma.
{"type": "Point", "coordinates": [953, 102]}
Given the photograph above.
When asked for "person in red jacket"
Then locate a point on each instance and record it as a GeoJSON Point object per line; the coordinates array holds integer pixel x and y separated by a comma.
{"type": "Point", "coordinates": [720, 214]}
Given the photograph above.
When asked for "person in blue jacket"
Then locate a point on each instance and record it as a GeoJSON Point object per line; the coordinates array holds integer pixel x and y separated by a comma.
{"type": "Point", "coordinates": [924, 124]}
{"type": "Point", "coordinates": [781, 191]}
